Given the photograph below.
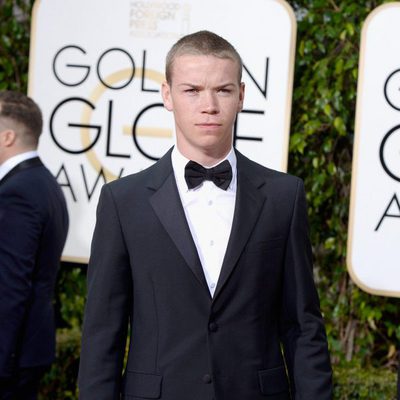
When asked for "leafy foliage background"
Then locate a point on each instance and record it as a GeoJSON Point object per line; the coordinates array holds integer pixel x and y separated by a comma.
{"type": "Point", "coordinates": [363, 330]}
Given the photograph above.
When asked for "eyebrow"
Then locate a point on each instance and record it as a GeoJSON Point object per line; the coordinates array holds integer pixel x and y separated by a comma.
{"type": "Point", "coordinates": [196, 86]}
{"type": "Point", "coordinates": [193, 85]}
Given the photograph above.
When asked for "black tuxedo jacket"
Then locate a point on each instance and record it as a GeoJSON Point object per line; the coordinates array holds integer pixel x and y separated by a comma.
{"type": "Point", "coordinates": [33, 228]}
{"type": "Point", "coordinates": [185, 345]}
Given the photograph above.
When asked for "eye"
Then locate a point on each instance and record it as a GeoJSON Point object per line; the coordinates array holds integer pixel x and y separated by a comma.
{"type": "Point", "coordinates": [191, 91]}
{"type": "Point", "coordinates": [224, 90]}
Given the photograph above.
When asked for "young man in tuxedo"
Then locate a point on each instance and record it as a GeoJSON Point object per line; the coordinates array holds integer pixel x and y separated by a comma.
{"type": "Point", "coordinates": [205, 257]}
{"type": "Point", "coordinates": [33, 229]}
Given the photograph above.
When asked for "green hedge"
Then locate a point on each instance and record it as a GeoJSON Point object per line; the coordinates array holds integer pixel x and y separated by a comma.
{"type": "Point", "coordinates": [369, 384]}
{"type": "Point", "coordinates": [362, 329]}
{"type": "Point", "coordinates": [60, 382]}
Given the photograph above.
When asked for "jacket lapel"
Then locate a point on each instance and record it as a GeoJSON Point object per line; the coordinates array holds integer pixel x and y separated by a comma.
{"type": "Point", "coordinates": [167, 205]}
{"type": "Point", "coordinates": [249, 203]}
{"type": "Point", "coordinates": [29, 163]}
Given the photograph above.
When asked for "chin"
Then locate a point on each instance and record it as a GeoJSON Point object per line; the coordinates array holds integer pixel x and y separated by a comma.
{"type": "Point", "coordinates": [215, 147]}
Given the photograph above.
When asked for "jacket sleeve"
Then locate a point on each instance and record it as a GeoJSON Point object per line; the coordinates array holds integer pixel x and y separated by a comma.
{"type": "Point", "coordinates": [20, 231]}
{"type": "Point", "coordinates": [107, 308]}
{"type": "Point", "coordinates": [302, 327]}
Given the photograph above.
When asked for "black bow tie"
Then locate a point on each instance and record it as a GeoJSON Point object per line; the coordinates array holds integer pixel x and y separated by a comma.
{"type": "Point", "coordinates": [221, 175]}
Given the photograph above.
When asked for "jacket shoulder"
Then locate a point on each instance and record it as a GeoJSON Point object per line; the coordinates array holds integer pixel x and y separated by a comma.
{"type": "Point", "coordinates": [150, 178]}
{"type": "Point", "coordinates": [256, 171]}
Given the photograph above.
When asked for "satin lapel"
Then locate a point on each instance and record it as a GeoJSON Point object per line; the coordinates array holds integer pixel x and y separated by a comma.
{"type": "Point", "coordinates": [249, 202]}
{"type": "Point", "coordinates": [167, 205]}
{"type": "Point", "coordinates": [31, 162]}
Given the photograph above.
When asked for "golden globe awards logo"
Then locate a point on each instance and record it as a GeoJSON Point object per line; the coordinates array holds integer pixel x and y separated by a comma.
{"type": "Point", "coordinates": [96, 71]}
{"type": "Point", "coordinates": [389, 150]}
{"type": "Point", "coordinates": [374, 228]}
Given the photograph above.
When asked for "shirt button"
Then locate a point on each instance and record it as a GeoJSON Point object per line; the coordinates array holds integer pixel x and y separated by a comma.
{"type": "Point", "coordinates": [207, 378]}
{"type": "Point", "coordinates": [211, 242]}
{"type": "Point", "coordinates": [212, 285]}
{"type": "Point", "coordinates": [210, 202]}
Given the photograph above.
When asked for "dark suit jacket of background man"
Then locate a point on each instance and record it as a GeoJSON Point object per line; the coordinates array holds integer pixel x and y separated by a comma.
{"type": "Point", "coordinates": [186, 345]}
{"type": "Point", "coordinates": [33, 228]}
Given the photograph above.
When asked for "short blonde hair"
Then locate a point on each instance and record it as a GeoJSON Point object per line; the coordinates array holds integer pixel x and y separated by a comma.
{"type": "Point", "coordinates": [202, 43]}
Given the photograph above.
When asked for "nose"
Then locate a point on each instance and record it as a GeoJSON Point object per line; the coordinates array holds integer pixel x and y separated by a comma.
{"type": "Point", "coordinates": [210, 103]}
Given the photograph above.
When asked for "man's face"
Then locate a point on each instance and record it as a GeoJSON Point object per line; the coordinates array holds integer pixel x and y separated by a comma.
{"type": "Point", "coordinates": [205, 96]}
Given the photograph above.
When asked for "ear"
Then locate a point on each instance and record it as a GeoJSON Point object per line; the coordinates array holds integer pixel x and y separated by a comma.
{"type": "Point", "coordinates": [241, 97]}
{"type": "Point", "coordinates": [166, 96]}
{"type": "Point", "coordinates": [8, 137]}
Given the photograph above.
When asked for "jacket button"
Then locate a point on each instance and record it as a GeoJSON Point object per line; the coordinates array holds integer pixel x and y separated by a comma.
{"type": "Point", "coordinates": [207, 378]}
{"type": "Point", "coordinates": [213, 327]}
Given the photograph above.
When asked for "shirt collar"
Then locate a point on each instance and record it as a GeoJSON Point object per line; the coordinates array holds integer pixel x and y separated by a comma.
{"type": "Point", "coordinates": [179, 162]}
{"type": "Point", "coordinates": [9, 164]}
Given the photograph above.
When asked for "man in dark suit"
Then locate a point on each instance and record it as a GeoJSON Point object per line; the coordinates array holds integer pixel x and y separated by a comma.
{"type": "Point", "coordinates": [33, 228]}
{"type": "Point", "coordinates": [213, 278]}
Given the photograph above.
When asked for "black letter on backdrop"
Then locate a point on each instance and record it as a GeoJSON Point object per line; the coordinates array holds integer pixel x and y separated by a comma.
{"type": "Point", "coordinates": [394, 200]}
{"type": "Point", "coordinates": [85, 67]}
{"type": "Point", "coordinates": [262, 90]}
{"type": "Point", "coordinates": [67, 183]}
{"type": "Point", "coordinates": [144, 75]}
{"type": "Point", "coordinates": [52, 134]}
{"type": "Point", "coordinates": [392, 102]}
{"type": "Point", "coordinates": [134, 130]}
{"type": "Point", "coordinates": [101, 174]}
{"type": "Point", "coordinates": [236, 137]}
{"type": "Point", "coordinates": [108, 151]}
{"type": "Point", "coordinates": [132, 65]}
{"type": "Point", "coordinates": [381, 152]}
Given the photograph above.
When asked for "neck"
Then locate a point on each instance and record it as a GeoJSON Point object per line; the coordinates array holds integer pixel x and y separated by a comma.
{"type": "Point", "coordinates": [205, 158]}
{"type": "Point", "coordinates": [13, 153]}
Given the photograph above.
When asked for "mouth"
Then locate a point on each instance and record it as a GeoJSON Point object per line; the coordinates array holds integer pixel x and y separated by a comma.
{"type": "Point", "coordinates": [209, 125]}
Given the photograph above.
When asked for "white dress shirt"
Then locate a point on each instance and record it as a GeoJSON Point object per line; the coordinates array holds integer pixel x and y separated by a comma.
{"type": "Point", "coordinates": [9, 164]}
{"type": "Point", "coordinates": [209, 213]}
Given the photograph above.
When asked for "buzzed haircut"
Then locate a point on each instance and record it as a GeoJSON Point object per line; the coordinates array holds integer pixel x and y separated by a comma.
{"type": "Point", "coordinates": [24, 112]}
{"type": "Point", "coordinates": [202, 43]}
